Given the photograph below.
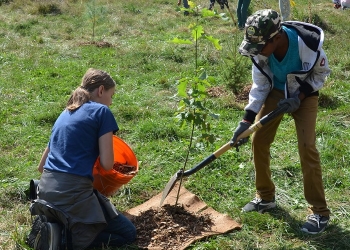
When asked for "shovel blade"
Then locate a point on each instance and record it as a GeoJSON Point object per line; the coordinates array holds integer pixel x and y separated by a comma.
{"type": "Point", "coordinates": [168, 188]}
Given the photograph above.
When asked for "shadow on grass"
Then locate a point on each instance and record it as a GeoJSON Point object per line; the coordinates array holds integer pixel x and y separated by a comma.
{"type": "Point", "coordinates": [334, 237]}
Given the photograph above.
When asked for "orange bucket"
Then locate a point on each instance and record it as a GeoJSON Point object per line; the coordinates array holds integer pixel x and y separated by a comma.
{"type": "Point", "coordinates": [108, 182]}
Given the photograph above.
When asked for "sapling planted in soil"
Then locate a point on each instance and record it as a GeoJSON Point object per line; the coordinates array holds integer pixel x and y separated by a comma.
{"type": "Point", "coordinates": [192, 90]}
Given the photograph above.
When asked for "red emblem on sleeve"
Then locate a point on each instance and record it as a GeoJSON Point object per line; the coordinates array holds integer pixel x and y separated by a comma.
{"type": "Point", "coordinates": [323, 62]}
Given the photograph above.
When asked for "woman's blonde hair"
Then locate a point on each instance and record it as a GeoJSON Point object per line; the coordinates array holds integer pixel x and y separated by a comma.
{"type": "Point", "coordinates": [92, 79]}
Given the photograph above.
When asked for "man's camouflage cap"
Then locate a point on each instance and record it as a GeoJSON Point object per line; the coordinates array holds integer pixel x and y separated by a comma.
{"type": "Point", "coordinates": [259, 28]}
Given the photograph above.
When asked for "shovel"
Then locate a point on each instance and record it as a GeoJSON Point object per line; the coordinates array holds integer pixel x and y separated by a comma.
{"type": "Point", "coordinates": [233, 19]}
{"type": "Point", "coordinates": [254, 127]}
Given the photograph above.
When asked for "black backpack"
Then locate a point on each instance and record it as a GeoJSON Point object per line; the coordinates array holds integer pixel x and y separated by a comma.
{"type": "Point", "coordinates": [36, 232]}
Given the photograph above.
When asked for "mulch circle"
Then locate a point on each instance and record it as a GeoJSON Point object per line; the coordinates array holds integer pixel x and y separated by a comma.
{"type": "Point", "coordinates": [99, 44]}
{"type": "Point", "coordinates": [168, 227]}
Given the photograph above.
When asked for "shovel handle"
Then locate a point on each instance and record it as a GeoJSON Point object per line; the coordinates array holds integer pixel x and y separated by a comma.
{"type": "Point", "coordinates": [254, 127]}
{"type": "Point", "coordinates": [206, 161]}
{"type": "Point", "coordinates": [219, 152]}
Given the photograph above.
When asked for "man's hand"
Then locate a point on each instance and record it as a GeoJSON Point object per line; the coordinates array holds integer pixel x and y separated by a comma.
{"type": "Point", "coordinates": [242, 126]}
{"type": "Point", "coordinates": [293, 104]}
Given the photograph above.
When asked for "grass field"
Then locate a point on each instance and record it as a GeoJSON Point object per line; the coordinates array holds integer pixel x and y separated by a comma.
{"type": "Point", "coordinates": [46, 47]}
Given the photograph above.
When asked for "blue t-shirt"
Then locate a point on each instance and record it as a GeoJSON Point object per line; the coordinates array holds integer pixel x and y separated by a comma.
{"type": "Point", "coordinates": [291, 61]}
{"type": "Point", "coordinates": [74, 139]}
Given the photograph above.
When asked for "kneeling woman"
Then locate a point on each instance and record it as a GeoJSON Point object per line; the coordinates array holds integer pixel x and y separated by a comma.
{"type": "Point", "coordinates": [82, 132]}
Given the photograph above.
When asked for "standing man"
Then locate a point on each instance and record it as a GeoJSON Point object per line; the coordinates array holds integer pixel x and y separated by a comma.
{"type": "Point", "coordinates": [289, 67]}
{"type": "Point", "coordinates": [242, 12]}
{"type": "Point", "coordinates": [185, 3]}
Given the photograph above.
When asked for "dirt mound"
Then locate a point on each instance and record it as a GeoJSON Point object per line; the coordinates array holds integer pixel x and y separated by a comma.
{"type": "Point", "coordinates": [169, 227]}
{"type": "Point", "coordinates": [173, 227]}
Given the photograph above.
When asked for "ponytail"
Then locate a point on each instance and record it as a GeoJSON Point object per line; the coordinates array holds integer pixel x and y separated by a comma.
{"type": "Point", "coordinates": [92, 79]}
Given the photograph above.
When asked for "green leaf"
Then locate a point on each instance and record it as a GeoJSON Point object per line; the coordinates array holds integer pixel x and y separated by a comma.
{"type": "Point", "coordinates": [182, 124]}
{"type": "Point", "coordinates": [189, 117]}
{"type": "Point", "coordinates": [191, 4]}
{"type": "Point", "coordinates": [207, 13]}
{"type": "Point", "coordinates": [215, 116]}
{"type": "Point", "coordinates": [214, 41]}
{"type": "Point", "coordinates": [188, 102]}
{"type": "Point", "coordinates": [181, 88]}
{"type": "Point", "coordinates": [179, 116]}
{"type": "Point", "coordinates": [180, 41]}
{"type": "Point", "coordinates": [197, 32]}
{"type": "Point", "coordinates": [203, 75]}
{"type": "Point", "coordinates": [181, 106]}
{"type": "Point", "coordinates": [198, 120]}
{"type": "Point", "coordinates": [211, 138]}
{"type": "Point", "coordinates": [211, 79]}
{"type": "Point", "coordinates": [202, 88]}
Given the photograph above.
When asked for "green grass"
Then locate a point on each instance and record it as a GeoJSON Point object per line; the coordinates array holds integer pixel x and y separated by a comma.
{"type": "Point", "coordinates": [46, 47]}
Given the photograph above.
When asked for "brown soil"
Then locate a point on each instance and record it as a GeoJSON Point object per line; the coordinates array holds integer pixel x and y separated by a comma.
{"type": "Point", "coordinates": [168, 227]}
{"type": "Point", "coordinates": [242, 96]}
{"type": "Point", "coordinates": [99, 44]}
{"type": "Point", "coordinates": [216, 91]}
{"type": "Point", "coordinates": [124, 169]}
